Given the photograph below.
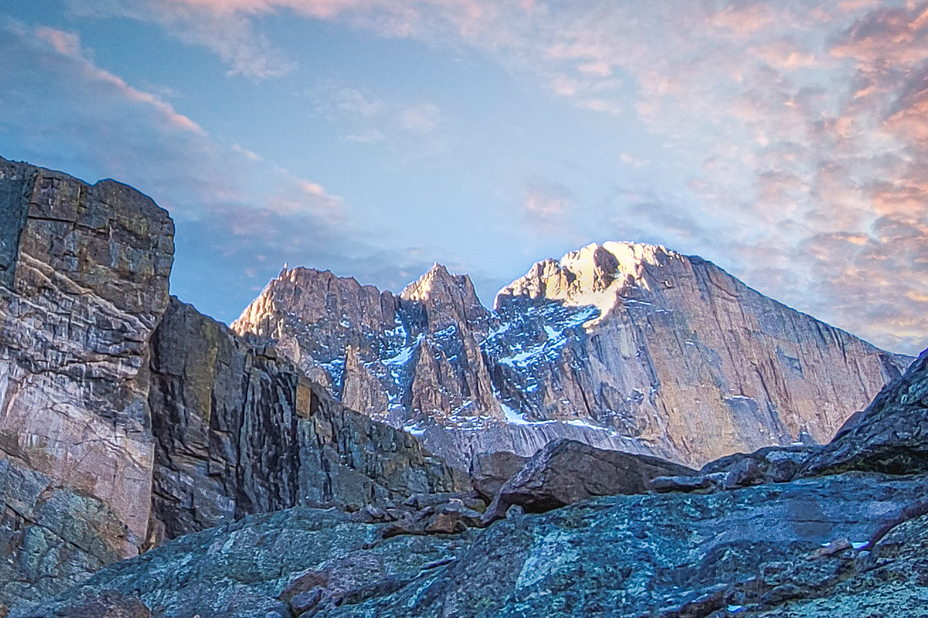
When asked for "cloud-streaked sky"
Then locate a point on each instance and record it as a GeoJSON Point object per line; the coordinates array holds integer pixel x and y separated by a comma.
{"type": "Point", "coordinates": [785, 141]}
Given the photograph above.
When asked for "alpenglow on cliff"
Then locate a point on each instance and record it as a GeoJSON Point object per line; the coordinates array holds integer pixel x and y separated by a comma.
{"type": "Point", "coordinates": [625, 346]}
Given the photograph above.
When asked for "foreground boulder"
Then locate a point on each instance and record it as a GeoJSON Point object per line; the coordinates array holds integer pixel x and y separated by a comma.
{"type": "Point", "coordinates": [490, 471]}
{"type": "Point", "coordinates": [566, 471]}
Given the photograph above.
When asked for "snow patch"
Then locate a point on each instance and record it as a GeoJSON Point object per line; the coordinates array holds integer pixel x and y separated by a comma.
{"type": "Point", "coordinates": [512, 416]}
{"type": "Point", "coordinates": [578, 423]}
{"type": "Point", "coordinates": [404, 354]}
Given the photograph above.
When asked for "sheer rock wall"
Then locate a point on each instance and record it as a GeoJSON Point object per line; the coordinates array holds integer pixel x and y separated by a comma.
{"type": "Point", "coordinates": [240, 430]}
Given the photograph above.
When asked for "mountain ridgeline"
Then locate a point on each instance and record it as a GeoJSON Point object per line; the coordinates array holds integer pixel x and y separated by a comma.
{"type": "Point", "coordinates": [624, 346]}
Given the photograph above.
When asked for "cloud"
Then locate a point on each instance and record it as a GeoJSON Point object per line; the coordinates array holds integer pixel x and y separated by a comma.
{"type": "Point", "coordinates": [422, 118]}
{"type": "Point", "coordinates": [547, 207]}
{"type": "Point", "coordinates": [226, 29]}
{"type": "Point", "coordinates": [68, 45]}
{"type": "Point", "coordinates": [629, 159]}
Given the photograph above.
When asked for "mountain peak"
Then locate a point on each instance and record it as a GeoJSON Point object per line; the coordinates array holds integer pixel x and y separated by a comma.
{"type": "Point", "coordinates": [437, 278]}
{"type": "Point", "coordinates": [591, 275]}
{"type": "Point", "coordinates": [448, 298]}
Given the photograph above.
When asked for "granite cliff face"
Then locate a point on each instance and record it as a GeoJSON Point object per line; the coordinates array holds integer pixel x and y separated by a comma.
{"type": "Point", "coordinates": [622, 346]}
{"type": "Point", "coordinates": [241, 431]}
{"type": "Point", "coordinates": [83, 282]}
{"type": "Point", "coordinates": [683, 356]}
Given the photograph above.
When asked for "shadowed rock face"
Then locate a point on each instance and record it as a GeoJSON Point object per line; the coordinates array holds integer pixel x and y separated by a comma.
{"type": "Point", "coordinates": [241, 431]}
{"type": "Point", "coordinates": [621, 346]}
{"type": "Point", "coordinates": [83, 282]}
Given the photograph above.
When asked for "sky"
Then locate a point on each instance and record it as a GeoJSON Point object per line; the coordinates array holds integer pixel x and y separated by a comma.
{"type": "Point", "coordinates": [785, 141]}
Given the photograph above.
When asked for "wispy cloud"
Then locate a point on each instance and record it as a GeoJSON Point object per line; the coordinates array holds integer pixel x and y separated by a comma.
{"type": "Point", "coordinates": [225, 29]}
{"type": "Point", "coordinates": [68, 45]}
{"type": "Point", "coordinates": [547, 207]}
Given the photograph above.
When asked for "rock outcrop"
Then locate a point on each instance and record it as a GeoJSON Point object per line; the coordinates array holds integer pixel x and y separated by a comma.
{"type": "Point", "coordinates": [240, 431]}
{"type": "Point", "coordinates": [52, 536]}
{"type": "Point", "coordinates": [757, 549]}
{"type": "Point", "coordinates": [83, 282]}
{"type": "Point", "coordinates": [265, 564]}
{"type": "Point", "coordinates": [127, 418]}
{"type": "Point", "coordinates": [621, 346]}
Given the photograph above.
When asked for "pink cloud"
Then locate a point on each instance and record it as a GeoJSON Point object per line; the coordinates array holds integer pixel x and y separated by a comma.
{"type": "Point", "coordinates": [547, 208]}
{"type": "Point", "coordinates": [888, 35]}
{"type": "Point", "coordinates": [68, 44]}
{"type": "Point", "coordinates": [65, 43]}
{"type": "Point", "coordinates": [602, 69]}
{"type": "Point", "coordinates": [745, 18]}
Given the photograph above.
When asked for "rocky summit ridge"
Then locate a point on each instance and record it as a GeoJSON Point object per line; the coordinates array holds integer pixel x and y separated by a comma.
{"type": "Point", "coordinates": [154, 462]}
{"type": "Point", "coordinates": [623, 346]}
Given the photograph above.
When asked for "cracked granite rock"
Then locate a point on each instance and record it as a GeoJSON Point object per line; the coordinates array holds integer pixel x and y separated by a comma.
{"type": "Point", "coordinates": [240, 430]}
{"type": "Point", "coordinates": [83, 282]}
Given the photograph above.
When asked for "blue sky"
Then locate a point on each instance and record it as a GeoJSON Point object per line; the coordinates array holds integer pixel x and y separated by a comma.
{"type": "Point", "coordinates": [784, 141]}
